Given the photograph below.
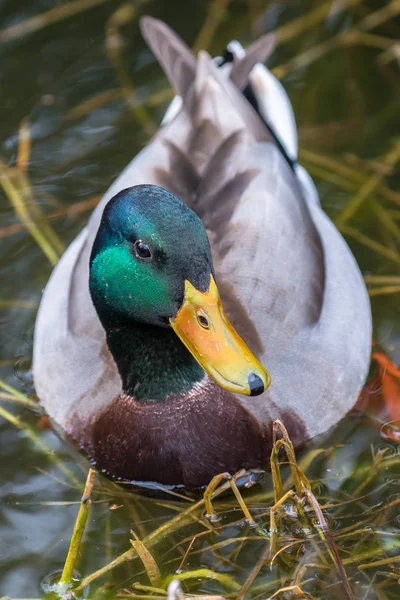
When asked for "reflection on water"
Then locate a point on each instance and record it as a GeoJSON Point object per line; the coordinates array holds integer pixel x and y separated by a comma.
{"type": "Point", "coordinates": [85, 94]}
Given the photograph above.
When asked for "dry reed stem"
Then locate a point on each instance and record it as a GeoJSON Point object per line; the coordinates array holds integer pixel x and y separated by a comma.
{"type": "Point", "coordinates": [253, 573]}
{"type": "Point", "coordinates": [314, 17]}
{"type": "Point", "coordinates": [352, 36]}
{"type": "Point", "coordinates": [382, 279]}
{"type": "Point", "coordinates": [384, 217]}
{"type": "Point", "coordinates": [299, 480]}
{"type": "Point", "coordinates": [50, 17]}
{"type": "Point", "coordinates": [20, 400]}
{"type": "Point", "coordinates": [152, 569]}
{"type": "Point", "coordinates": [149, 588]}
{"type": "Point", "coordinates": [67, 211]}
{"type": "Point", "coordinates": [216, 12]}
{"type": "Point", "coordinates": [344, 176]}
{"type": "Point", "coordinates": [242, 504]}
{"type": "Point", "coordinates": [327, 537]}
{"type": "Point", "coordinates": [188, 549]}
{"type": "Point", "coordinates": [28, 304]}
{"type": "Point", "coordinates": [78, 531]}
{"type": "Point", "coordinates": [384, 291]}
{"type": "Point", "coordinates": [303, 492]}
{"type": "Point", "coordinates": [368, 188]}
{"type": "Point", "coordinates": [378, 17]}
{"type": "Point", "coordinates": [24, 148]}
{"type": "Point", "coordinates": [155, 100]}
{"type": "Point", "coordinates": [17, 396]}
{"type": "Point", "coordinates": [226, 580]}
{"type": "Point", "coordinates": [114, 47]}
{"type": "Point", "coordinates": [290, 588]}
{"type": "Point", "coordinates": [16, 421]}
{"type": "Point", "coordinates": [153, 538]}
{"type": "Point", "coordinates": [273, 527]}
{"type": "Point", "coordinates": [379, 563]}
{"type": "Point", "coordinates": [17, 191]}
{"type": "Point", "coordinates": [215, 482]}
{"type": "Point", "coordinates": [371, 244]}
{"type": "Point", "coordinates": [179, 521]}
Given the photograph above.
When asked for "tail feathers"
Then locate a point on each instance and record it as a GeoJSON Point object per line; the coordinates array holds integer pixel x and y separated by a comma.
{"type": "Point", "coordinates": [207, 102]}
{"type": "Point", "coordinates": [220, 100]}
{"type": "Point", "coordinates": [172, 53]}
{"type": "Point", "coordinates": [258, 52]}
{"type": "Point", "coordinates": [207, 93]}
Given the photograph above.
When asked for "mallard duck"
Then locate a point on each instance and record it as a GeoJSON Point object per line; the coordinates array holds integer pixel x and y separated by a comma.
{"type": "Point", "coordinates": [208, 264]}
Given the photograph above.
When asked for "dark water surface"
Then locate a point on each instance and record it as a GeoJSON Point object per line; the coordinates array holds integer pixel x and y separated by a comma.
{"type": "Point", "coordinates": [89, 109]}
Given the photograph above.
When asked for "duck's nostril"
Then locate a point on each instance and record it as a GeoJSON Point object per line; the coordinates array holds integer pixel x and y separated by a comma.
{"type": "Point", "coordinates": [256, 384]}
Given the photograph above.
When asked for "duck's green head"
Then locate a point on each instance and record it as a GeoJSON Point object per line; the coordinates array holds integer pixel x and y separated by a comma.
{"type": "Point", "coordinates": [151, 263]}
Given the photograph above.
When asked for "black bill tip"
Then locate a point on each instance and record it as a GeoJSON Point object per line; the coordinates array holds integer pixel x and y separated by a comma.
{"type": "Point", "coordinates": [256, 384]}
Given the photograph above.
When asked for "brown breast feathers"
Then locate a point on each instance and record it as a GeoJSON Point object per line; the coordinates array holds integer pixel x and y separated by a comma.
{"type": "Point", "coordinates": [184, 440]}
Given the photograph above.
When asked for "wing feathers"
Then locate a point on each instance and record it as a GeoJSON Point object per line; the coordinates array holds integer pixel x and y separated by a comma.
{"type": "Point", "coordinates": [181, 178]}
{"type": "Point", "coordinates": [223, 164]}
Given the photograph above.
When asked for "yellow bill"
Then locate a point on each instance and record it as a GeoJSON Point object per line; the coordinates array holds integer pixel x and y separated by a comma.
{"type": "Point", "coordinates": [202, 326]}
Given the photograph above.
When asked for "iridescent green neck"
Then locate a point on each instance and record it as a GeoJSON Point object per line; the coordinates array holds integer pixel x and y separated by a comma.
{"type": "Point", "coordinates": [152, 361]}
{"type": "Point", "coordinates": [135, 295]}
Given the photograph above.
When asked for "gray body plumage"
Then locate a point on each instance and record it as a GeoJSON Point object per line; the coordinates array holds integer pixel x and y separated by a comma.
{"type": "Point", "coordinates": [308, 315]}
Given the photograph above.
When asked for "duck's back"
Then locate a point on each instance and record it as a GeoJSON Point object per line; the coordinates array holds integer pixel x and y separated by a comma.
{"type": "Point", "coordinates": [288, 280]}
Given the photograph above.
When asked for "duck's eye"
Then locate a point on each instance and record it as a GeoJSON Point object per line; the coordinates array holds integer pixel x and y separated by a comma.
{"type": "Point", "coordinates": [142, 250]}
{"type": "Point", "coordinates": [203, 321]}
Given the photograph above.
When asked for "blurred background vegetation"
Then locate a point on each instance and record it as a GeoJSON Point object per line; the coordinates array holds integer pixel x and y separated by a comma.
{"type": "Point", "coordinates": [80, 95]}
